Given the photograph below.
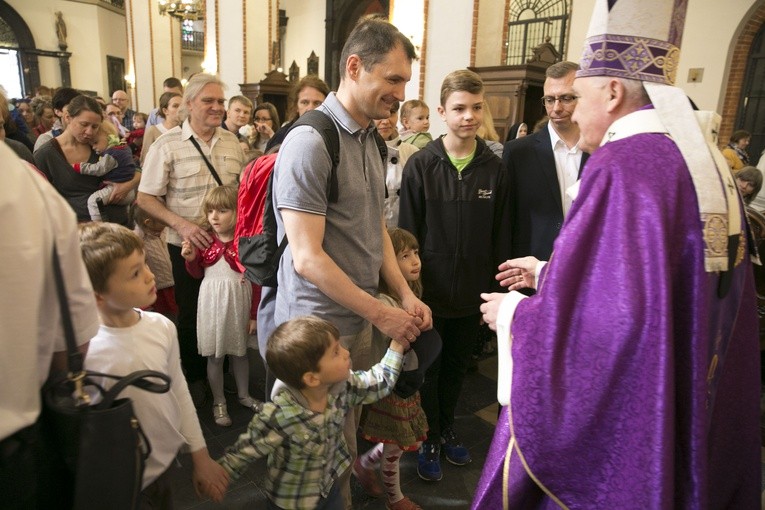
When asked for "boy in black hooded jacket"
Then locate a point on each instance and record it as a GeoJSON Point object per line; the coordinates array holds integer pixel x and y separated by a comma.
{"type": "Point", "coordinates": [454, 200]}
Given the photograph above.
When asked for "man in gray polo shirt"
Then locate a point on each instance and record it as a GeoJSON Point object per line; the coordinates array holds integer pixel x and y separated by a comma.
{"type": "Point", "coordinates": [338, 251]}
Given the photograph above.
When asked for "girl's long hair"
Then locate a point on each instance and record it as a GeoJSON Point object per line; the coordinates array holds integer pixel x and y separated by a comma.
{"type": "Point", "coordinates": [220, 197]}
{"type": "Point", "coordinates": [402, 240]}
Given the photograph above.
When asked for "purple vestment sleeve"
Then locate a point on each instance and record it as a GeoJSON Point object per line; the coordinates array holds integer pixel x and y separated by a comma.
{"type": "Point", "coordinates": [634, 384]}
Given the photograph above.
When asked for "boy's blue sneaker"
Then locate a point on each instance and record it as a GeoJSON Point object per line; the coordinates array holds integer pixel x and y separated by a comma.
{"type": "Point", "coordinates": [455, 451]}
{"type": "Point", "coordinates": [429, 462]}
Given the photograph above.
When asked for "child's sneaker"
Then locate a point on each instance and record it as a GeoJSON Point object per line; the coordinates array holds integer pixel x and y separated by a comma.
{"type": "Point", "coordinates": [429, 462]}
{"type": "Point", "coordinates": [403, 504]}
{"type": "Point", "coordinates": [455, 451]}
{"type": "Point", "coordinates": [367, 479]}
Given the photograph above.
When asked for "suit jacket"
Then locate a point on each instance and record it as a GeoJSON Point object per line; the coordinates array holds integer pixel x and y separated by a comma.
{"type": "Point", "coordinates": [535, 202]}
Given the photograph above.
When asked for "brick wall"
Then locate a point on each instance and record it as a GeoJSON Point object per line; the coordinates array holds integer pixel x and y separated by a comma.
{"type": "Point", "coordinates": [738, 73]}
{"type": "Point", "coordinates": [476, 8]}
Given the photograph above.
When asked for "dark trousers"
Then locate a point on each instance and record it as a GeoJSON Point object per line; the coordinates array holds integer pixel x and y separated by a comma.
{"type": "Point", "coordinates": [443, 380]}
{"type": "Point", "coordinates": [32, 474]}
{"type": "Point", "coordinates": [158, 495]}
{"type": "Point", "coordinates": [186, 296]}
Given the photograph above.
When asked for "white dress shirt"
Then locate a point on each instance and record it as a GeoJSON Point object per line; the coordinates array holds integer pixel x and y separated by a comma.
{"type": "Point", "coordinates": [567, 163]}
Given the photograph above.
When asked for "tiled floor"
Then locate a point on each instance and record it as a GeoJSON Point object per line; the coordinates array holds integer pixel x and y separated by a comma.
{"type": "Point", "coordinates": [476, 414]}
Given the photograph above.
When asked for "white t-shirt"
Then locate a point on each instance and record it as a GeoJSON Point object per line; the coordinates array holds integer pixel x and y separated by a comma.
{"type": "Point", "coordinates": [32, 216]}
{"type": "Point", "coordinates": [169, 419]}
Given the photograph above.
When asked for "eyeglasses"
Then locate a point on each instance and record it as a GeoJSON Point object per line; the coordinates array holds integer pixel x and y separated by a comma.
{"type": "Point", "coordinates": [262, 119]}
{"type": "Point", "coordinates": [565, 99]}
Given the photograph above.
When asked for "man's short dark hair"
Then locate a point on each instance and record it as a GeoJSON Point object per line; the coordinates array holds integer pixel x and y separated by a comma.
{"type": "Point", "coordinates": [561, 69]}
{"type": "Point", "coordinates": [372, 39]}
{"type": "Point", "coordinates": [172, 83]}
{"type": "Point", "coordinates": [63, 97]}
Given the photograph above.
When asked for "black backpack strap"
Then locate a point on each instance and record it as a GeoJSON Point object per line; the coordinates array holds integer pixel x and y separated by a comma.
{"type": "Point", "coordinates": [269, 215]}
{"type": "Point", "coordinates": [382, 147]}
{"type": "Point", "coordinates": [325, 126]}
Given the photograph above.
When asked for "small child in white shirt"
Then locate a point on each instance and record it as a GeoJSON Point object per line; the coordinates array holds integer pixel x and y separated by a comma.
{"type": "Point", "coordinates": [129, 340]}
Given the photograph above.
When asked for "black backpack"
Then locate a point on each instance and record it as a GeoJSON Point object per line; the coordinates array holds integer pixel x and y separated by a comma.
{"type": "Point", "coordinates": [260, 253]}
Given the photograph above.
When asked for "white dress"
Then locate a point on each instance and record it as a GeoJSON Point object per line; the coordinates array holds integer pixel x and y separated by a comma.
{"type": "Point", "coordinates": [223, 313]}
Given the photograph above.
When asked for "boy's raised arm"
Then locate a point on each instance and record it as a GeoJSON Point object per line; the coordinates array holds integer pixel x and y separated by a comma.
{"type": "Point", "coordinates": [377, 382]}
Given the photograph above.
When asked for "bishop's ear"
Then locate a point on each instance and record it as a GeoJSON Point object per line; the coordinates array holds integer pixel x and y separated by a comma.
{"type": "Point", "coordinates": [616, 94]}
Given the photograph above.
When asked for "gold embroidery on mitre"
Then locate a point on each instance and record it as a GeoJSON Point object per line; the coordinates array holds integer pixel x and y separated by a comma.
{"type": "Point", "coordinates": [644, 59]}
{"type": "Point", "coordinates": [715, 234]}
{"type": "Point", "coordinates": [670, 63]}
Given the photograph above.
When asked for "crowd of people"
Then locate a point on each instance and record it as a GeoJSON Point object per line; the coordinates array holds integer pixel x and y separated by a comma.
{"type": "Point", "coordinates": [626, 329]}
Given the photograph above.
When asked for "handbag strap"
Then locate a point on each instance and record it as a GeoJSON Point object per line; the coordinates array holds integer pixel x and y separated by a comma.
{"type": "Point", "coordinates": [139, 379]}
{"type": "Point", "coordinates": [74, 357]}
{"type": "Point", "coordinates": [207, 161]}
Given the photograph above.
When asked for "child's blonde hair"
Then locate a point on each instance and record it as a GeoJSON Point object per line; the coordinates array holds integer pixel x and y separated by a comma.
{"type": "Point", "coordinates": [401, 240]}
{"type": "Point", "coordinates": [220, 197]}
{"type": "Point", "coordinates": [296, 346]}
{"type": "Point", "coordinates": [102, 246]}
{"type": "Point", "coordinates": [463, 80]}
{"type": "Point", "coordinates": [408, 106]}
{"type": "Point", "coordinates": [108, 128]}
{"type": "Point", "coordinates": [486, 130]}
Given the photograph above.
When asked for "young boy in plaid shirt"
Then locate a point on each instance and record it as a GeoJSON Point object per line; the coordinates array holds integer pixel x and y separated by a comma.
{"type": "Point", "coordinates": [301, 431]}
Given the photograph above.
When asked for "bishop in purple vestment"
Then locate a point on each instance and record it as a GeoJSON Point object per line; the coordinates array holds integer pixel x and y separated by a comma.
{"type": "Point", "coordinates": [633, 373]}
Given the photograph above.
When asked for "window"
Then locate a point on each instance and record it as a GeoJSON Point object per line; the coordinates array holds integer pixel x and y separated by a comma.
{"type": "Point", "coordinates": [10, 76]}
{"type": "Point", "coordinates": [531, 23]}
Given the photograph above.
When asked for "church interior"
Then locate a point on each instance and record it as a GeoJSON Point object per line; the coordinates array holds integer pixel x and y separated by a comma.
{"type": "Point", "coordinates": [261, 48]}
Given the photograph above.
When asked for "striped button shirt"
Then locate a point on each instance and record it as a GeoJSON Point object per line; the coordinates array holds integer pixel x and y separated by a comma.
{"type": "Point", "coordinates": [175, 170]}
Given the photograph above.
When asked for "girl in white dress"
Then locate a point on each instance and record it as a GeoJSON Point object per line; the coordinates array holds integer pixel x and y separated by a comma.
{"type": "Point", "coordinates": [225, 316]}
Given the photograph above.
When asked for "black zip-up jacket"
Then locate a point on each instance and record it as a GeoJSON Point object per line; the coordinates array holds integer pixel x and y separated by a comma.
{"type": "Point", "coordinates": [462, 223]}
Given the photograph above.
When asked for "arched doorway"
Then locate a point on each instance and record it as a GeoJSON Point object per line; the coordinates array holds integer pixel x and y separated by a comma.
{"type": "Point", "coordinates": [16, 42]}
{"type": "Point", "coordinates": [751, 111]}
{"type": "Point", "coordinates": [342, 16]}
{"type": "Point", "coordinates": [736, 100]}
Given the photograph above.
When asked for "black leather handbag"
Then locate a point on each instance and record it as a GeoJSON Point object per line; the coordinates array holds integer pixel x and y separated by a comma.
{"type": "Point", "coordinates": [100, 449]}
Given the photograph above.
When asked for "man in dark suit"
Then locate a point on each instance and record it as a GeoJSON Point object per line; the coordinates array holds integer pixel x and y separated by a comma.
{"type": "Point", "coordinates": [542, 167]}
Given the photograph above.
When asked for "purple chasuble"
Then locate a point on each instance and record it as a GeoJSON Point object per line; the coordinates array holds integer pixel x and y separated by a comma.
{"type": "Point", "coordinates": [634, 385]}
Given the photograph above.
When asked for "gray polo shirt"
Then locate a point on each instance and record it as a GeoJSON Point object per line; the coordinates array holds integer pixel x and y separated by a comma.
{"type": "Point", "coordinates": [353, 233]}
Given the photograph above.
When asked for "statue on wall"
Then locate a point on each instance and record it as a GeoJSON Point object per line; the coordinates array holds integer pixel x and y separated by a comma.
{"type": "Point", "coordinates": [294, 75]}
{"type": "Point", "coordinates": [313, 63]}
{"type": "Point", "coordinates": [61, 30]}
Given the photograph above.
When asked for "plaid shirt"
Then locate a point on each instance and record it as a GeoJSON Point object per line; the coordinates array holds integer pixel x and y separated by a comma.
{"type": "Point", "coordinates": [306, 450]}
